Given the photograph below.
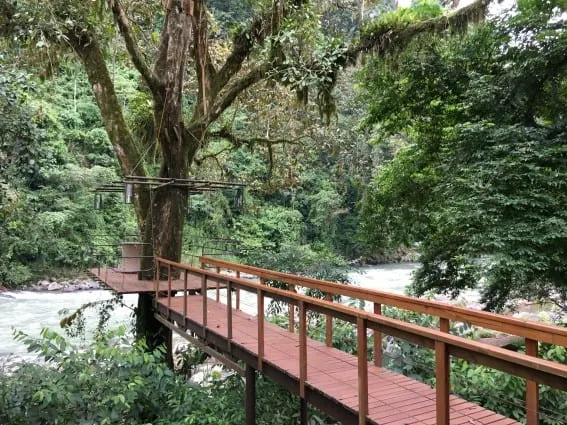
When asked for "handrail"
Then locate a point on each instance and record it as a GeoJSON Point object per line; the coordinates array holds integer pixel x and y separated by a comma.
{"type": "Point", "coordinates": [532, 330]}
{"type": "Point", "coordinates": [523, 365]}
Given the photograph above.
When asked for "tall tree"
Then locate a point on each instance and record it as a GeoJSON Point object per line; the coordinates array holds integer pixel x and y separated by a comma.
{"type": "Point", "coordinates": [261, 49]}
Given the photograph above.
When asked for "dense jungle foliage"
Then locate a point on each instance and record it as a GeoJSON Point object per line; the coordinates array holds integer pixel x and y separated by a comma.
{"type": "Point", "coordinates": [466, 160]}
{"type": "Point", "coordinates": [115, 382]}
{"type": "Point", "coordinates": [479, 175]}
{"type": "Point", "coordinates": [303, 185]}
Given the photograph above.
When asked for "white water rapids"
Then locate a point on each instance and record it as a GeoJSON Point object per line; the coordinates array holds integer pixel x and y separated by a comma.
{"type": "Point", "coordinates": [31, 311]}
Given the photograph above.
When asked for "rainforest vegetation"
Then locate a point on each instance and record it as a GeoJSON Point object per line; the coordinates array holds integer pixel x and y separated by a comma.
{"type": "Point", "coordinates": [361, 131]}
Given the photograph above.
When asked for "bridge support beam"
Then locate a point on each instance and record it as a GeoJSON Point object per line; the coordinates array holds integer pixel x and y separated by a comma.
{"type": "Point", "coordinates": [250, 376]}
{"type": "Point", "coordinates": [303, 411]}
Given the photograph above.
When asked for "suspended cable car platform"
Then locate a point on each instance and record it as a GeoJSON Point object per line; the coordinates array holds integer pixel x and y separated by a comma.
{"type": "Point", "coordinates": [350, 388]}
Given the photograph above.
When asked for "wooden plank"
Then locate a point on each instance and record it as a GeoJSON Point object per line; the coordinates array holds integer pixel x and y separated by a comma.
{"type": "Point", "coordinates": [128, 283]}
{"type": "Point", "coordinates": [532, 390]}
{"type": "Point", "coordinates": [442, 384]}
{"type": "Point", "coordinates": [169, 286]}
{"type": "Point", "coordinates": [362, 349]}
{"type": "Point", "coordinates": [156, 277]}
{"type": "Point", "coordinates": [218, 285]}
{"type": "Point", "coordinates": [302, 348]}
{"type": "Point", "coordinates": [204, 296]}
{"type": "Point", "coordinates": [542, 371]}
{"type": "Point", "coordinates": [378, 339]}
{"type": "Point", "coordinates": [342, 386]}
{"type": "Point", "coordinates": [444, 325]}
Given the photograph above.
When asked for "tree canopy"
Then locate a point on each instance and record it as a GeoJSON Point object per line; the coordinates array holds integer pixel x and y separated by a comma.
{"type": "Point", "coordinates": [480, 170]}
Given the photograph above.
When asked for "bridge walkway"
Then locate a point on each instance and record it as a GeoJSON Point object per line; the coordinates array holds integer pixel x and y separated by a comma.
{"type": "Point", "coordinates": [350, 388]}
{"type": "Point", "coordinates": [393, 399]}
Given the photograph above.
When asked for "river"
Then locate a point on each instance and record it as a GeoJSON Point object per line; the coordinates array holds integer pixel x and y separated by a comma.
{"type": "Point", "coordinates": [31, 311]}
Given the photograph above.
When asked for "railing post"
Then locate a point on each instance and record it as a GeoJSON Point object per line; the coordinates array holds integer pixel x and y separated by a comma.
{"type": "Point", "coordinates": [229, 314]}
{"type": "Point", "coordinates": [303, 420]}
{"type": "Point", "coordinates": [291, 312]}
{"type": "Point", "coordinates": [250, 375]}
{"type": "Point", "coordinates": [260, 303]}
{"type": "Point", "coordinates": [362, 349]}
{"type": "Point", "coordinates": [302, 348]}
{"type": "Point", "coordinates": [238, 292]}
{"type": "Point", "coordinates": [442, 384]}
{"type": "Point", "coordinates": [329, 323]}
{"type": "Point", "coordinates": [185, 298]}
{"type": "Point", "coordinates": [378, 339]}
{"type": "Point", "coordinates": [204, 295]}
{"type": "Point", "coordinates": [532, 388]}
{"type": "Point", "coordinates": [444, 325]}
{"type": "Point", "coordinates": [156, 277]}
{"type": "Point", "coordinates": [218, 285]}
{"type": "Point", "coordinates": [169, 290]}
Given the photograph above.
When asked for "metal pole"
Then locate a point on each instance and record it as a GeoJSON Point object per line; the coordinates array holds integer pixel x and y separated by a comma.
{"type": "Point", "coordinates": [250, 395]}
{"type": "Point", "coordinates": [303, 411]}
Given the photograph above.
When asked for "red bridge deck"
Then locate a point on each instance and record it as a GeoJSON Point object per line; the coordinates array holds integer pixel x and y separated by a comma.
{"type": "Point", "coordinates": [392, 398]}
{"type": "Point", "coordinates": [348, 388]}
{"type": "Point", "coordinates": [128, 283]}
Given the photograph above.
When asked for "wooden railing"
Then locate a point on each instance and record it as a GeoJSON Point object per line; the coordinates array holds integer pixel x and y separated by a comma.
{"type": "Point", "coordinates": [532, 332]}
{"type": "Point", "coordinates": [528, 366]}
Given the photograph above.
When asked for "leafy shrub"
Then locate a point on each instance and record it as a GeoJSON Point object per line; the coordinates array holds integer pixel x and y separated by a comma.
{"type": "Point", "coordinates": [113, 382]}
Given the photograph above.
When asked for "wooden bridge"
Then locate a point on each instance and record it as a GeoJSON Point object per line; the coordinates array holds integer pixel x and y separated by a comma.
{"type": "Point", "coordinates": [348, 388]}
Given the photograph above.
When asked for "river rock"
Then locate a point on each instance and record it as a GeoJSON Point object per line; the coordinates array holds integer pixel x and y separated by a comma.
{"type": "Point", "coordinates": [43, 283]}
{"type": "Point", "coordinates": [87, 284]}
{"type": "Point", "coordinates": [54, 286]}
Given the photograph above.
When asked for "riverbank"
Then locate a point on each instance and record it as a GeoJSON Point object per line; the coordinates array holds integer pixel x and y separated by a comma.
{"type": "Point", "coordinates": [55, 285]}
{"type": "Point", "coordinates": [399, 255]}
{"type": "Point", "coordinates": [71, 285]}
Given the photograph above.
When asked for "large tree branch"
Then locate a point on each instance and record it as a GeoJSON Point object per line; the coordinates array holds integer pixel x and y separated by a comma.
{"type": "Point", "coordinates": [161, 55]}
{"type": "Point", "coordinates": [231, 93]}
{"type": "Point", "coordinates": [203, 63]}
{"type": "Point", "coordinates": [242, 44]}
{"type": "Point", "coordinates": [385, 39]}
{"type": "Point", "coordinates": [259, 29]}
{"type": "Point", "coordinates": [131, 162]}
{"type": "Point", "coordinates": [238, 142]}
{"type": "Point", "coordinates": [124, 26]}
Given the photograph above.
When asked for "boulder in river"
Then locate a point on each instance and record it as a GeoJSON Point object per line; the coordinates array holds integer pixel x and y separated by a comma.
{"type": "Point", "coordinates": [54, 286]}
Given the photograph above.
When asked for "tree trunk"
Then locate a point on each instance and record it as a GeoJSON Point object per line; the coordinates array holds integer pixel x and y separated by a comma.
{"type": "Point", "coordinates": [165, 214]}
{"type": "Point", "coordinates": [160, 213]}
